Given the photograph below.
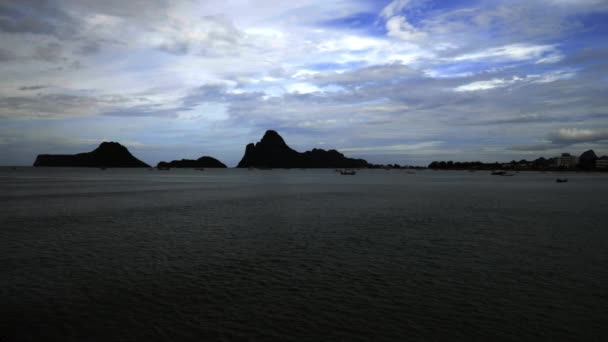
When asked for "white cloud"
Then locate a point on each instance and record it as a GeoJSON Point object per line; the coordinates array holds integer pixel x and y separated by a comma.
{"type": "Point", "coordinates": [414, 148]}
{"type": "Point", "coordinates": [393, 8]}
{"type": "Point", "coordinates": [529, 79]}
{"type": "Point", "coordinates": [554, 76]}
{"type": "Point", "coordinates": [579, 135]}
{"type": "Point", "coordinates": [350, 43]}
{"type": "Point", "coordinates": [514, 52]}
{"type": "Point", "coordinates": [302, 88]}
{"type": "Point", "coordinates": [399, 28]}
{"type": "Point", "coordinates": [486, 85]}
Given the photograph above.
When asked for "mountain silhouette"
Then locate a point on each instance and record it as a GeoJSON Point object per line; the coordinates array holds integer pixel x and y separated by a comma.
{"type": "Point", "coordinates": [204, 162]}
{"type": "Point", "coordinates": [273, 152]}
{"type": "Point", "coordinates": [107, 154]}
{"type": "Point", "coordinates": [587, 160]}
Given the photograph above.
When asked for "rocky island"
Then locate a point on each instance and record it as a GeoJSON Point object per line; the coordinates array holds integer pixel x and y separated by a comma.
{"type": "Point", "coordinates": [202, 162]}
{"type": "Point", "coordinates": [107, 154]}
{"type": "Point", "coordinates": [273, 152]}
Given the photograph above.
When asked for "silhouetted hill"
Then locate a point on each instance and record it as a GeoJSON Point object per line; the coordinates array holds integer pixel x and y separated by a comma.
{"type": "Point", "coordinates": [108, 154]}
{"type": "Point", "coordinates": [273, 152]}
{"type": "Point", "coordinates": [587, 160]}
{"type": "Point", "coordinates": [204, 162]}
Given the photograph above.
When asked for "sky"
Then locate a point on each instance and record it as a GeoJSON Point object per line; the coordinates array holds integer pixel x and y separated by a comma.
{"type": "Point", "coordinates": [403, 81]}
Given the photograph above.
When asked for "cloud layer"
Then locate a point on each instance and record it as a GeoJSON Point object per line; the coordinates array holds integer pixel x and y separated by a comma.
{"type": "Point", "coordinates": [400, 81]}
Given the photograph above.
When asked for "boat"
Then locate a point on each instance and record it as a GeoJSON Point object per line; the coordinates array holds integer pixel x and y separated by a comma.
{"type": "Point", "coordinates": [348, 172]}
{"type": "Point", "coordinates": [163, 168]}
{"type": "Point", "coordinates": [561, 180]}
{"type": "Point", "coordinates": [498, 173]}
{"type": "Point", "coordinates": [200, 169]}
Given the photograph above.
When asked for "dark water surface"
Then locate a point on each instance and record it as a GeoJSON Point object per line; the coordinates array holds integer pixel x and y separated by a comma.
{"type": "Point", "coordinates": [138, 255]}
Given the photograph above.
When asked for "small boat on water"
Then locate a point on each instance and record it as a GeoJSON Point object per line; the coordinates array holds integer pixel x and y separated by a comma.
{"type": "Point", "coordinates": [561, 180]}
{"type": "Point", "coordinates": [163, 168]}
{"type": "Point", "coordinates": [347, 172]}
{"type": "Point", "coordinates": [200, 169]}
{"type": "Point", "coordinates": [498, 173]}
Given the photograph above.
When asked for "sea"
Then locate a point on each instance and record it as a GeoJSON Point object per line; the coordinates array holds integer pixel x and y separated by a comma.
{"type": "Point", "coordinates": [302, 255]}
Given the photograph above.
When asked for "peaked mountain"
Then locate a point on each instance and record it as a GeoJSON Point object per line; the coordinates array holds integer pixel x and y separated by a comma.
{"type": "Point", "coordinates": [273, 152]}
{"type": "Point", "coordinates": [205, 162]}
{"type": "Point", "coordinates": [107, 154]}
{"type": "Point", "coordinates": [587, 159]}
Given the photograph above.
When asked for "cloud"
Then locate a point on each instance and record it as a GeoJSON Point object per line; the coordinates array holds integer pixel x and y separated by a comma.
{"type": "Point", "coordinates": [6, 55]}
{"type": "Point", "coordinates": [549, 77]}
{"type": "Point", "coordinates": [209, 35]}
{"type": "Point", "coordinates": [395, 7]}
{"type": "Point", "coordinates": [578, 135]}
{"type": "Point", "coordinates": [90, 48]}
{"type": "Point", "coordinates": [51, 52]}
{"type": "Point", "coordinates": [58, 105]}
{"type": "Point", "coordinates": [399, 28]}
{"type": "Point", "coordinates": [364, 76]}
{"type": "Point", "coordinates": [35, 87]}
{"type": "Point", "coordinates": [472, 75]}
{"type": "Point", "coordinates": [413, 148]}
{"type": "Point", "coordinates": [35, 17]}
{"type": "Point", "coordinates": [514, 52]}
{"type": "Point", "coordinates": [485, 85]}
{"type": "Point", "coordinates": [565, 137]}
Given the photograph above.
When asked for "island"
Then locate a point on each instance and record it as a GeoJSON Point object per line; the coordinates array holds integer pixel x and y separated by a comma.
{"type": "Point", "coordinates": [273, 152]}
{"type": "Point", "coordinates": [107, 154]}
{"type": "Point", "coordinates": [202, 162]}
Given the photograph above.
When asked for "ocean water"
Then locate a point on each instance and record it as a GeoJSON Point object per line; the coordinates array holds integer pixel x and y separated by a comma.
{"type": "Point", "coordinates": [138, 255]}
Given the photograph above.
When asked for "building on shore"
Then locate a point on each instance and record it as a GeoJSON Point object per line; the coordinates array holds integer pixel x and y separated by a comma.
{"type": "Point", "coordinates": [601, 163]}
{"type": "Point", "coordinates": [566, 161]}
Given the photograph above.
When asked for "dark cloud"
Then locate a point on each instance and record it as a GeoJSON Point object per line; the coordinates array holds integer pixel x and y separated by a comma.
{"type": "Point", "coordinates": [57, 105]}
{"type": "Point", "coordinates": [143, 111]}
{"type": "Point", "coordinates": [51, 52]}
{"type": "Point", "coordinates": [137, 10]}
{"type": "Point", "coordinates": [89, 48]}
{"type": "Point", "coordinates": [35, 87]}
{"type": "Point", "coordinates": [36, 17]}
{"type": "Point", "coordinates": [6, 55]}
{"type": "Point", "coordinates": [175, 48]}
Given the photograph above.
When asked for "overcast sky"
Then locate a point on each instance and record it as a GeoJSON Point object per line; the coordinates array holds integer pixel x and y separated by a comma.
{"type": "Point", "coordinates": [394, 82]}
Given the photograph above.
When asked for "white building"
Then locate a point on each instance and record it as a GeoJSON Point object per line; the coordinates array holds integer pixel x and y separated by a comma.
{"type": "Point", "coordinates": [601, 164]}
{"type": "Point", "coordinates": [566, 160]}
